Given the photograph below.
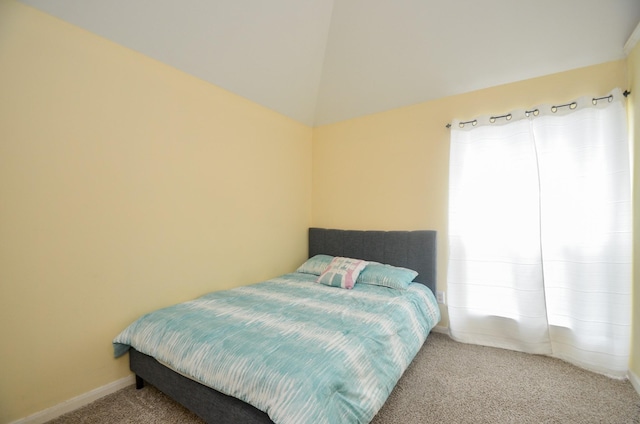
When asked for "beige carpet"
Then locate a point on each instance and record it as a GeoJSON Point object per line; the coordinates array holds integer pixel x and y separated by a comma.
{"type": "Point", "coordinates": [448, 382]}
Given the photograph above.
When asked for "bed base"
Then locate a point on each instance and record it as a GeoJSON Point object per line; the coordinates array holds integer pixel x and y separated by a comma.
{"type": "Point", "coordinates": [410, 249]}
{"type": "Point", "coordinates": [207, 403]}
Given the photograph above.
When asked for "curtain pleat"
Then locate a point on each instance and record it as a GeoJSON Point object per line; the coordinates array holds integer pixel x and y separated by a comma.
{"type": "Point", "coordinates": [586, 226]}
{"type": "Point", "coordinates": [540, 235]}
{"type": "Point", "coordinates": [496, 297]}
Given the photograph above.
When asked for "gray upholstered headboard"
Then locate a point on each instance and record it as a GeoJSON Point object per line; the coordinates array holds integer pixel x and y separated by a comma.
{"type": "Point", "coordinates": [409, 249]}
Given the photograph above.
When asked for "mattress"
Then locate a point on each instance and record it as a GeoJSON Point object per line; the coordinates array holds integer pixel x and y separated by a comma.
{"type": "Point", "coordinates": [297, 350]}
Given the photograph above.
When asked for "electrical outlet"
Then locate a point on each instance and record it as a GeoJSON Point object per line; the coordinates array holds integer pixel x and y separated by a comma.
{"type": "Point", "coordinates": [440, 295]}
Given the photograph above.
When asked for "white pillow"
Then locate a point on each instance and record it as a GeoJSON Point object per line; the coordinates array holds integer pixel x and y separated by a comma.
{"type": "Point", "coordinates": [342, 272]}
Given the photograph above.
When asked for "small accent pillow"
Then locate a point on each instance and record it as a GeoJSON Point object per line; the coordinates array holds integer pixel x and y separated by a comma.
{"type": "Point", "coordinates": [387, 276]}
{"type": "Point", "coordinates": [315, 265]}
{"type": "Point", "coordinates": [342, 272]}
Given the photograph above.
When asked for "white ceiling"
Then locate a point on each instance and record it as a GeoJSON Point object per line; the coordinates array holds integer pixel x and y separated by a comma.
{"type": "Point", "coordinates": [323, 61]}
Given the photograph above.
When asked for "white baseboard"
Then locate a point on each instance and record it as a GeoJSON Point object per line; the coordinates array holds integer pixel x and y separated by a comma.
{"type": "Point", "coordinates": [635, 381]}
{"type": "Point", "coordinates": [440, 329]}
{"type": "Point", "coordinates": [76, 402]}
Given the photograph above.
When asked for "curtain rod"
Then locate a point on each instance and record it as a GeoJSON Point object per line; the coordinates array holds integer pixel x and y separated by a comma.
{"type": "Point", "coordinates": [535, 112]}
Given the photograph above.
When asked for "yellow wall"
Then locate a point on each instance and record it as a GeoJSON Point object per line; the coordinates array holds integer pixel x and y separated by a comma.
{"type": "Point", "coordinates": [634, 112]}
{"type": "Point", "coordinates": [125, 185]}
{"type": "Point", "coordinates": [390, 170]}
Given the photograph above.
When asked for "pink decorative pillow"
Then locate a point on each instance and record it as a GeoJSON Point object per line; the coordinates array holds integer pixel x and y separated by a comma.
{"type": "Point", "coordinates": [342, 272]}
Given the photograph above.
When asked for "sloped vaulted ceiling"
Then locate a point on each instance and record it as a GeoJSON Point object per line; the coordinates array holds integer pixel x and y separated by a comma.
{"type": "Point", "coordinates": [323, 61]}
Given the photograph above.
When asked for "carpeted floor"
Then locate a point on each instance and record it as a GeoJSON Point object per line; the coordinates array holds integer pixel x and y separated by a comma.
{"type": "Point", "coordinates": [448, 382]}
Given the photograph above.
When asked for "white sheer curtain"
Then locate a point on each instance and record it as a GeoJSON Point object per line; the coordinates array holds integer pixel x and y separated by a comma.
{"type": "Point", "coordinates": [540, 233]}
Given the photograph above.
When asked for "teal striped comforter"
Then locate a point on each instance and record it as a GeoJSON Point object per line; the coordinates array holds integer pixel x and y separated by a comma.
{"type": "Point", "coordinates": [300, 351]}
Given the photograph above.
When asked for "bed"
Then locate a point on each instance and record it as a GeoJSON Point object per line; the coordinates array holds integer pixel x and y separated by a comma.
{"type": "Point", "coordinates": [372, 358]}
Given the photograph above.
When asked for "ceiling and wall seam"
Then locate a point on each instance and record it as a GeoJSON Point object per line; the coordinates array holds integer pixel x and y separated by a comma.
{"type": "Point", "coordinates": [324, 61]}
